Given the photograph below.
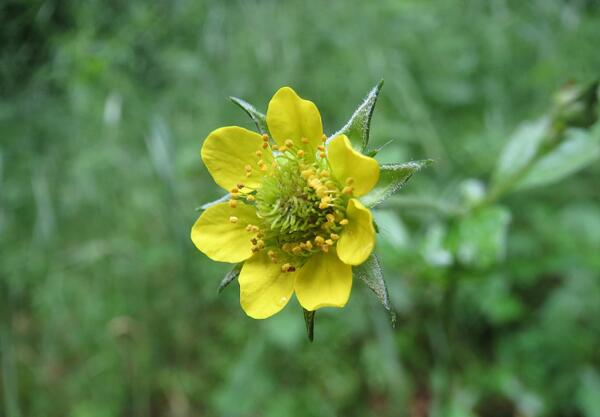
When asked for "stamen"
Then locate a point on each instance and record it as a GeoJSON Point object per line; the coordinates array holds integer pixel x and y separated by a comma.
{"type": "Point", "coordinates": [233, 219]}
{"type": "Point", "coordinates": [265, 137]}
{"type": "Point", "coordinates": [250, 197]}
{"type": "Point", "coordinates": [334, 236]}
{"type": "Point", "coordinates": [349, 181]}
{"type": "Point", "coordinates": [344, 222]}
{"type": "Point", "coordinates": [300, 153]}
{"type": "Point", "coordinates": [233, 203]}
{"type": "Point", "coordinates": [265, 145]}
{"type": "Point", "coordinates": [348, 190]}
{"type": "Point", "coordinates": [322, 155]}
{"type": "Point", "coordinates": [324, 138]}
{"type": "Point", "coordinates": [289, 143]}
{"type": "Point", "coordinates": [258, 154]}
{"type": "Point", "coordinates": [305, 141]}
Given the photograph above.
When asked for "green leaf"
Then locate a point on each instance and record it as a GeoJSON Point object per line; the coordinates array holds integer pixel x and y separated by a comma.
{"type": "Point", "coordinates": [212, 203]}
{"type": "Point", "coordinates": [371, 273]}
{"type": "Point", "coordinates": [521, 149]}
{"type": "Point", "coordinates": [230, 277]}
{"type": "Point", "coordinates": [258, 118]}
{"type": "Point", "coordinates": [309, 320]}
{"type": "Point", "coordinates": [579, 149]}
{"type": "Point", "coordinates": [357, 128]}
{"type": "Point", "coordinates": [479, 239]}
{"type": "Point", "coordinates": [391, 178]}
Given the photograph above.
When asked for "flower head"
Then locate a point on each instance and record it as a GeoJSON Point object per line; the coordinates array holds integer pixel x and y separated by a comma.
{"type": "Point", "coordinates": [293, 216]}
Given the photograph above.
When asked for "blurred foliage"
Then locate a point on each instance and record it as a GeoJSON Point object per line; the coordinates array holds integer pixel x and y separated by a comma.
{"type": "Point", "coordinates": [107, 309]}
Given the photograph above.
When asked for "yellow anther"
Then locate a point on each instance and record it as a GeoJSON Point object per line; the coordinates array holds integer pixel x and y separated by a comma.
{"type": "Point", "coordinates": [233, 219]}
{"type": "Point", "coordinates": [321, 191]}
{"type": "Point", "coordinates": [304, 141]}
{"type": "Point", "coordinates": [260, 243]}
{"type": "Point", "coordinates": [286, 267]}
{"type": "Point", "coordinates": [289, 143]}
{"type": "Point", "coordinates": [263, 168]}
{"type": "Point", "coordinates": [265, 137]}
{"type": "Point", "coordinates": [330, 184]}
{"type": "Point", "coordinates": [330, 218]}
{"type": "Point", "coordinates": [325, 248]}
{"type": "Point", "coordinates": [233, 203]}
{"type": "Point", "coordinates": [248, 174]}
{"type": "Point", "coordinates": [286, 247]}
{"type": "Point", "coordinates": [250, 198]}
{"type": "Point", "coordinates": [319, 240]}
{"type": "Point", "coordinates": [348, 190]}
{"type": "Point", "coordinates": [321, 148]}
{"type": "Point", "coordinates": [255, 229]}
{"type": "Point", "coordinates": [253, 241]}
{"type": "Point", "coordinates": [255, 249]}
{"type": "Point", "coordinates": [283, 149]}
{"type": "Point", "coordinates": [349, 181]}
{"type": "Point", "coordinates": [300, 153]}
{"type": "Point", "coordinates": [240, 186]}
{"type": "Point", "coordinates": [334, 236]}
{"type": "Point", "coordinates": [271, 253]}
{"type": "Point", "coordinates": [329, 242]}
{"type": "Point", "coordinates": [322, 155]}
{"type": "Point", "coordinates": [275, 147]}
{"type": "Point", "coordinates": [344, 222]}
{"type": "Point", "coordinates": [258, 154]}
{"type": "Point", "coordinates": [308, 245]}
{"type": "Point", "coordinates": [323, 205]}
{"type": "Point", "coordinates": [248, 168]}
{"type": "Point", "coordinates": [296, 250]}
{"type": "Point", "coordinates": [324, 173]}
{"type": "Point", "coordinates": [265, 145]}
{"type": "Point", "coordinates": [235, 190]}
{"type": "Point", "coordinates": [324, 138]}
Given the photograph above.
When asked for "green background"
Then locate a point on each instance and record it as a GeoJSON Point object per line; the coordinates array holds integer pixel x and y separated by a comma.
{"type": "Point", "coordinates": [106, 307]}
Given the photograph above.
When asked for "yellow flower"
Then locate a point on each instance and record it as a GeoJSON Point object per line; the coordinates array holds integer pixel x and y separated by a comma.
{"type": "Point", "coordinates": [294, 218]}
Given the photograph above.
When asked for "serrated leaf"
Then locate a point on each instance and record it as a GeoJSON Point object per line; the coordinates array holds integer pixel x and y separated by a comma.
{"type": "Point", "coordinates": [256, 116]}
{"type": "Point", "coordinates": [212, 203]}
{"type": "Point", "coordinates": [521, 148]}
{"type": "Point", "coordinates": [309, 320]}
{"type": "Point", "coordinates": [391, 178]}
{"type": "Point", "coordinates": [579, 148]}
{"type": "Point", "coordinates": [357, 128]}
{"type": "Point", "coordinates": [230, 277]}
{"type": "Point", "coordinates": [371, 273]}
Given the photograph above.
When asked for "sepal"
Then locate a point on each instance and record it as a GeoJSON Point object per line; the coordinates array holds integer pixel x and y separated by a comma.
{"type": "Point", "coordinates": [371, 273]}
{"type": "Point", "coordinates": [309, 320]}
{"type": "Point", "coordinates": [357, 128]}
{"type": "Point", "coordinates": [257, 117]}
{"type": "Point", "coordinates": [230, 277]}
{"type": "Point", "coordinates": [391, 178]}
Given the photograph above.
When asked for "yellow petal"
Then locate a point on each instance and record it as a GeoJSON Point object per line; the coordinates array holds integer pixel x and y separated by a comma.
{"type": "Point", "coordinates": [291, 117]}
{"type": "Point", "coordinates": [347, 163]}
{"type": "Point", "coordinates": [219, 238]}
{"type": "Point", "coordinates": [227, 152]}
{"type": "Point", "coordinates": [324, 281]}
{"type": "Point", "coordinates": [264, 289]}
{"type": "Point", "coordinates": [358, 237]}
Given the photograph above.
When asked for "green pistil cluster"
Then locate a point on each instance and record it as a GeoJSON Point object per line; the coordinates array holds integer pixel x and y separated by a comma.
{"type": "Point", "coordinates": [301, 207]}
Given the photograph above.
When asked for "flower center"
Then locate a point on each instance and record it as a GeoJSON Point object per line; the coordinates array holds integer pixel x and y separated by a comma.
{"type": "Point", "coordinates": [301, 207]}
